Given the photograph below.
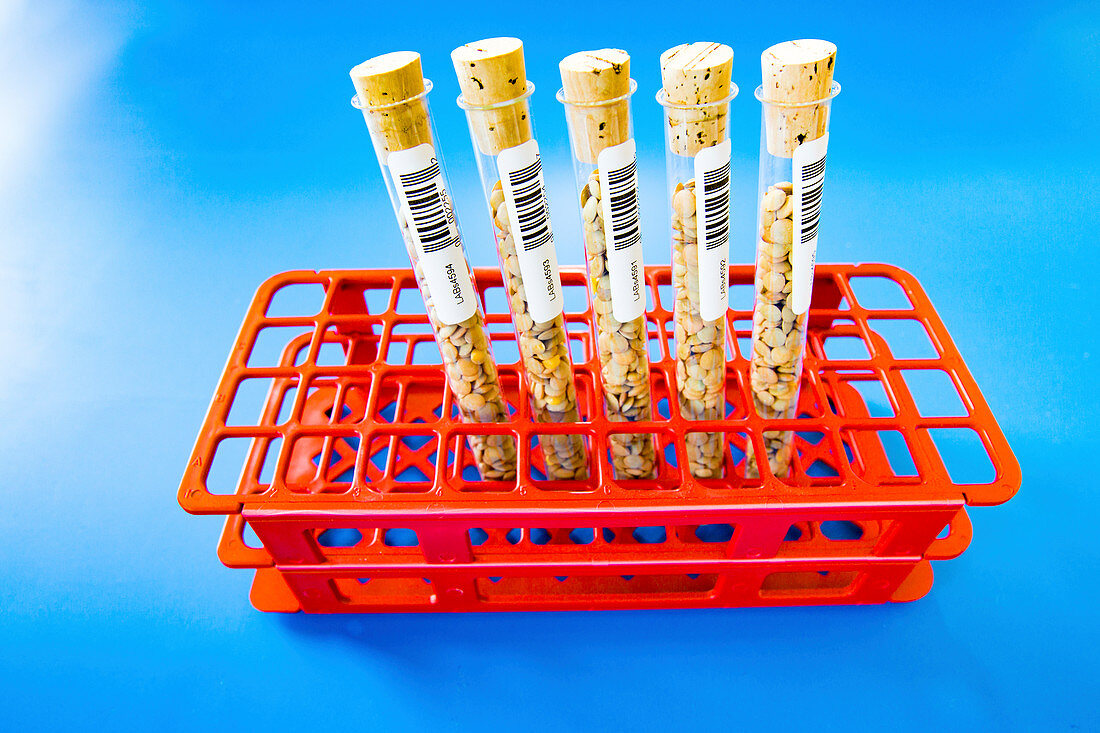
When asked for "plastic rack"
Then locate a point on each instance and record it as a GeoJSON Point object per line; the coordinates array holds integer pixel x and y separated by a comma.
{"type": "Point", "coordinates": [333, 447]}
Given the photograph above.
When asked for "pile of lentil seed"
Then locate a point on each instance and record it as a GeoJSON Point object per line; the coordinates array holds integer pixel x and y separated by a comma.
{"type": "Point", "coordinates": [472, 377]}
{"type": "Point", "coordinates": [700, 345]}
{"type": "Point", "coordinates": [778, 335]}
{"type": "Point", "coordinates": [621, 347]}
{"type": "Point", "coordinates": [544, 348]}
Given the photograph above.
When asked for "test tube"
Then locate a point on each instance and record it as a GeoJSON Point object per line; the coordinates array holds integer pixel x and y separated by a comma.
{"type": "Point", "coordinates": [796, 96]}
{"type": "Point", "coordinates": [596, 91]}
{"type": "Point", "coordinates": [393, 95]}
{"type": "Point", "coordinates": [696, 94]}
{"type": "Point", "coordinates": [495, 96]}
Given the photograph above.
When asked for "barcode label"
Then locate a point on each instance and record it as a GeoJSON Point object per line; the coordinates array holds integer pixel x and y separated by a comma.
{"type": "Point", "coordinates": [808, 168]}
{"type": "Point", "coordinates": [618, 174]}
{"type": "Point", "coordinates": [520, 170]}
{"type": "Point", "coordinates": [712, 216]}
{"type": "Point", "coordinates": [426, 206]}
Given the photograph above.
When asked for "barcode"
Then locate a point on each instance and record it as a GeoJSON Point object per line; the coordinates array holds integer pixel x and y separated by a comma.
{"type": "Point", "coordinates": [534, 226]}
{"type": "Point", "coordinates": [427, 212]}
{"type": "Point", "coordinates": [716, 206]}
{"type": "Point", "coordinates": [814, 175]}
{"type": "Point", "coordinates": [623, 197]}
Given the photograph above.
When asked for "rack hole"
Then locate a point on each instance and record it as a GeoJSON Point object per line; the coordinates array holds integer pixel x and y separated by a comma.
{"type": "Point", "coordinates": [514, 536]}
{"type": "Point", "coordinates": [225, 468]}
{"type": "Point", "coordinates": [296, 299]}
{"type": "Point", "coordinates": [413, 458]}
{"type": "Point", "coordinates": [399, 537]}
{"type": "Point", "coordinates": [410, 301]}
{"type": "Point", "coordinates": [505, 350]}
{"type": "Point", "coordinates": [249, 401]}
{"type": "Point", "coordinates": [821, 468]}
{"type": "Point", "coordinates": [905, 337]}
{"type": "Point", "coordinates": [880, 455]}
{"type": "Point", "coordinates": [249, 537]}
{"type": "Point", "coordinates": [539, 536]}
{"type": "Point", "coordinates": [714, 532]}
{"type": "Point", "coordinates": [270, 460]}
{"type": "Point", "coordinates": [426, 352]}
{"type": "Point", "coordinates": [670, 455]}
{"type": "Point", "coordinates": [964, 455]}
{"type": "Point", "coordinates": [582, 536]}
{"type": "Point", "coordinates": [286, 404]}
{"type": "Point", "coordinates": [377, 299]}
{"type": "Point", "coordinates": [501, 328]}
{"type": "Point", "coordinates": [649, 535]}
{"type": "Point", "coordinates": [397, 351]}
{"type": "Point", "coordinates": [841, 530]}
{"type": "Point", "coordinates": [897, 453]}
{"type": "Point", "coordinates": [412, 474]}
{"type": "Point", "coordinates": [578, 351]}
{"type": "Point", "coordinates": [478, 536]}
{"type": "Point", "coordinates": [741, 296]}
{"type": "Point", "coordinates": [340, 537]}
{"type": "Point", "coordinates": [388, 412]}
{"type": "Point", "coordinates": [879, 293]}
{"type": "Point", "coordinates": [574, 298]}
{"type": "Point", "coordinates": [331, 353]}
{"type": "Point", "coordinates": [668, 297]}
{"type": "Point", "coordinates": [568, 452]}
{"type": "Point", "coordinates": [655, 354]}
{"type": "Point", "coordinates": [794, 534]}
{"type": "Point", "coordinates": [344, 412]}
{"type": "Point", "coordinates": [874, 397]}
{"type": "Point", "coordinates": [934, 393]}
{"type": "Point", "coordinates": [845, 348]}
{"type": "Point", "coordinates": [280, 346]}
{"type": "Point", "coordinates": [496, 300]}
{"type": "Point", "coordinates": [811, 437]}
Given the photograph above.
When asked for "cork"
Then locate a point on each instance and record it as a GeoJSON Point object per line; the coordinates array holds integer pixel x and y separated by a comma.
{"type": "Point", "coordinates": [382, 83]}
{"type": "Point", "coordinates": [696, 74]}
{"type": "Point", "coordinates": [596, 76]}
{"type": "Point", "coordinates": [492, 72]}
{"type": "Point", "coordinates": [796, 72]}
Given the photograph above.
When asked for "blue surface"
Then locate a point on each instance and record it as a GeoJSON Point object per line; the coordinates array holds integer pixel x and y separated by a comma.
{"type": "Point", "coordinates": [158, 161]}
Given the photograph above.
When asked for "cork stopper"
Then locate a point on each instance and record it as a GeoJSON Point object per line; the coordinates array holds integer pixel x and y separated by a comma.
{"type": "Point", "coordinates": [492, 72]}
{"type": "Point", "coordinates": [796, 72]}
{"type": "Point", "coordinates": [383, 84]}
{"type": "Point", "coordinates": [696, 74]}
{"type": "Point", "coordinates": [591, 77]}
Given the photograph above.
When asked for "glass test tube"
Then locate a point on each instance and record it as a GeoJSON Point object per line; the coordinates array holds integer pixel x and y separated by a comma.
{"type": "Point", "coordinates": [596, 91]}
{"type": "Point", "coordinates": [696, 95]}
{"type": "Point", "coordinates": [796, 99]}
{"type": "Point", "coordinates": [495, 96]}
{"type": "Point", "coordinates": [393, 95]}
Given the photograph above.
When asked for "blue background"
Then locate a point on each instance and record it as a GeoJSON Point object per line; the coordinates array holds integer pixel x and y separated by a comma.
{"type": "Point", "coordinates": [159, 160]}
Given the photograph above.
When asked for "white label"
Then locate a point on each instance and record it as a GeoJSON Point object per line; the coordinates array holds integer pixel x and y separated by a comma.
{"type": "Point", "coordinates": [618, 168]}
{"type": "Point", "coordinates": [520, 170]}
{"type": "Point", "coordinates": [427, 207]}
{"type": "Point", "coordinates": [712, 214]}
{"type": "Point", "coordinates": [808, 166]}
